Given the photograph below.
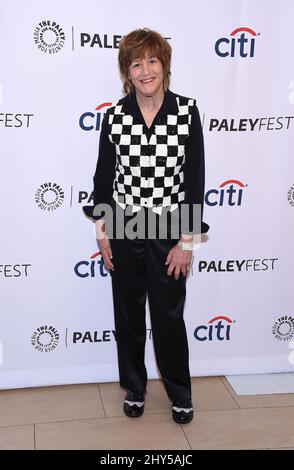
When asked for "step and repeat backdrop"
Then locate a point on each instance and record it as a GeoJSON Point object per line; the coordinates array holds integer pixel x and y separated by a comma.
{"type": "Point", "coordinates": [58, 76]}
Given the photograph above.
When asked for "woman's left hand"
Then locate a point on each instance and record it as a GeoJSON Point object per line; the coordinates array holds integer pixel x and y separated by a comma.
{"type": "Point", "coordinates": [179, 261]}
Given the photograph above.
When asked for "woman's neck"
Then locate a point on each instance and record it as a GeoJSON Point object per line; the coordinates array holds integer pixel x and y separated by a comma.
{"type": "Point", "coordinates": [150, 103]}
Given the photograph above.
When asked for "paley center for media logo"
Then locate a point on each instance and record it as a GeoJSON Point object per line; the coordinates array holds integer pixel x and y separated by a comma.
{"type": "Point", "coordinates": [283, 328]}
{"type": "Point", "coordinates": [49, 196]}
{"type": "Point", "coordinates": [239, 43]}
{"type": "Point", "coordinates": [49, 37]}
{"type": "Point", "coordinates": [45, 338]}
{"type": "Point", "coordinates": [90, 121]}
{"type": "Point", "coordinates": [216, 329]}
{"type": "Point", "coordinates": [290, 195]}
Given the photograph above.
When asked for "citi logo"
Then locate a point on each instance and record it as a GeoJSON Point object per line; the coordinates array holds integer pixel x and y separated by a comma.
{"type": "Point", "coordinates": [90, 121]}
{"type": "Point", "coordinates": [92, 268]}
{"type": "Point", "coordinates": [218, 328]}
{"type": "Point", "coordinates": [240, 43]}
{"type": "Point", "coordinates": [230, 193]}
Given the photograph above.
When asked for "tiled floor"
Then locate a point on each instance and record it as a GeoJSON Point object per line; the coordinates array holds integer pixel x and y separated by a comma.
{"type": "Point", "coordinates": [90, 417]}
{"type": "Point", "coordinates": [261, 384]}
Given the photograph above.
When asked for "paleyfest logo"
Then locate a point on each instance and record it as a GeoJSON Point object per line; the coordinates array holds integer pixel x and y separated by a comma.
{"type": "Point", "coordinates": [49, 37]}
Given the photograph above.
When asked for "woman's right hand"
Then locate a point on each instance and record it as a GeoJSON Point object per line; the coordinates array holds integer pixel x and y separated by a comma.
{"type": "Point", "coordinates": [105, 249]}
{"type": "Point", "coordinates": [104, 244]}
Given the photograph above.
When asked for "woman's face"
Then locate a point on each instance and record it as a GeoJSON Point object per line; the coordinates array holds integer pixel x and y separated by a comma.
{"type": "Point", "coordinates": [146, 74]}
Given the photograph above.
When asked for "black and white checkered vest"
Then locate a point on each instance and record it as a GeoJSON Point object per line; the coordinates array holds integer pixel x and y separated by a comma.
{"type": "Point", "coordinates": [150, 173]}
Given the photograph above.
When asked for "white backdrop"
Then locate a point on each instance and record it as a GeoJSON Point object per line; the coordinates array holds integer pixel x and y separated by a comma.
{"type": "Point", "coordinates": [56, 322]}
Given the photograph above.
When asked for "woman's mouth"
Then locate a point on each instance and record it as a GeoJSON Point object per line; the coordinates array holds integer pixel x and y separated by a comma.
{"type": "Point", "coordinates": [149, 80]}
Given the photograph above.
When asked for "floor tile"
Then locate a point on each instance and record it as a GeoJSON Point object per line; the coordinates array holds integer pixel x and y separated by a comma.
{"type": "Point", "coordinates": [242, 429]}
{"type": "Point", "coordinates": [259, 401]}
{"type": "Point", "coordinates": [210, 393]}
{"type": "Point", "coordinates": [156, 431]}
{"type": "Point", "coordinates": [17, 438]}
{"type": "Point", "coordinates": [262, 384]}
{"type": "Point", "coordinates": [45, 404]}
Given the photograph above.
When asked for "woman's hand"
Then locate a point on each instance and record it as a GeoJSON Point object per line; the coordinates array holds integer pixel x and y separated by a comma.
{"type": "Point", "coordinates": [104, 244]}
{"type": "Point", "coordinates": [105, 249]}
{"type": "Point", "coordinates": [178, 260]}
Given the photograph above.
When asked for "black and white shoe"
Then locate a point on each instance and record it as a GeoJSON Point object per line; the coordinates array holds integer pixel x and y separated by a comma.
{"type": "Point", "coordinates": [182, 411]}
{"type": "Point", "coordinates": [134, 404]}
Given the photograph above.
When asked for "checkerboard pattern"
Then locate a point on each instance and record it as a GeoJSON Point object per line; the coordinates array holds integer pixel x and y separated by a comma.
{"type": "Point", "coordinates": [150, 173]}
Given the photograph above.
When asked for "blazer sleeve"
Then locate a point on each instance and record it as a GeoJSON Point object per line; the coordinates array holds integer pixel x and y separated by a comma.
{"type": "Point", "coordinates": [194, 171]}
{"type": "Point", "coordinates": [105, 170]}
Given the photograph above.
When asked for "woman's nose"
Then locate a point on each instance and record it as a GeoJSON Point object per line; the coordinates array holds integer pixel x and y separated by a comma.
{"type": "Point", "coordinates": [145, 67]}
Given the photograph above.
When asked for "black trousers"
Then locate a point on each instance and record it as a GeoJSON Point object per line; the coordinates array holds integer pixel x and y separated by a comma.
{"type": "Point", "coordinates": [140, 270]}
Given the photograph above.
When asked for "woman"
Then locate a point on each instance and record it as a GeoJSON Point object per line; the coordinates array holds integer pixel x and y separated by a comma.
{"type": "Point", "coordinates": [151, 160]}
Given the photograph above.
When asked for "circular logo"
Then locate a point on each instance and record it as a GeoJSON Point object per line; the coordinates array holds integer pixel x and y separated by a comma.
{"type": "Point", "coordinates": [49, 37]}
{"type": "Point", "coordinates": [45, 338]}
{"type": "Point", "coordinates": [290, 196]}
{"type": "Point", "coordinates": [283, 328]}
{"type": "Point", "coordinates": [49, 196]}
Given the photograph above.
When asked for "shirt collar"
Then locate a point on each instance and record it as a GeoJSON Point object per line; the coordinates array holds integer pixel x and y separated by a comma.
{"type": "Point", "coordinates": [169, 105]}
